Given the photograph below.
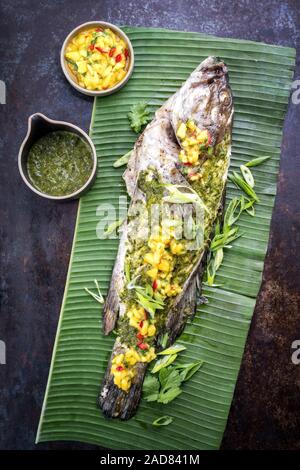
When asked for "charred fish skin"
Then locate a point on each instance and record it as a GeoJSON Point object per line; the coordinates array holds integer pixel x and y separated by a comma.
{"type": "Point", "coordinates": [205, 99]}
{"type": "Point", "coordinates": [112, 303]}
{"type": "Point", "coordinates": [116, 403]}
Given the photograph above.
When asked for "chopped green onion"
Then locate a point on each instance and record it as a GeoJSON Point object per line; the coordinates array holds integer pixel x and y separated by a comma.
{"type": "Point", "coordinates": [233, 212]}
{"type": "Point", "coordinates": [241, 183]}
{"type": "Point", "coordinates": [165, 361]}
{"type": "Point", "coordinates": [247, 175]}
{"type": "Point", "coordinates": [258, 161]}
{"type": "Point", "coordinates": [163, 421]}
{"type": "Point", "coordinates": [249, 207]}
{"type": "Point", "coordinates": [164, 340]}
{"type": "Point", "coordinates": [123, 160]}
{"type": "Point", "coordinates": [251, 211]}
{"type": "Point", "coordinates": [176, 348]}
{"type": "Point", "coordinates": [98, 297]}
{"type": "Point", "coordinates": [210, 272]}
{"type": "Point", "coordinates": [112, 227]}
{"type": "Point", "coordinates": [213, 266]}
{"type": "Point", "coordinates": [222, 240]}
{"type": "Point", "coordinates": [218, 258]}
{"type": "Point", "coordinates": [179, 197]}
{"type": "Point", "coordinates": [188, 370]}
{"type": "Point", "coordinates": [148, 303]}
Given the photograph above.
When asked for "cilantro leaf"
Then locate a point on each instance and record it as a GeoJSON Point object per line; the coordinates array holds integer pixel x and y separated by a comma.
{"type": "Point", "coordinates": [166, 385]}
{"type": "Point", "coordinates": [151, 388]}
{"type": "Point", "coordinates": [170, 381]}
{"type": "Point", "coordinates": [166, 396]}
{"type": "Point", "coordinates": [138, 116]}
{"type": "Point", "coordinates": [169, 377]}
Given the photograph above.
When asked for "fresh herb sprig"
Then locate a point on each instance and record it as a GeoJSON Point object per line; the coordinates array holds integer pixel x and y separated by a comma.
{"type": "Point", "coordinates": [247, 175]}
{"type": "Point", "coordinates": [112, 227]}
{"type": "Point", "coordinates": [242, 184]}
{"type": "Point", "coordinates": [123, 160]}
{"type": "Point", "coordinates": [226, 235]}
{"type": "Point", "coordinates": [257, 161]}
{"type": "Point", "coordinates": [180, 194]}
{"type": "Point", "coordinates": [230, 232]}
{"type": "Point", "coordinates": [149, 303]}
{"type": "Point", "coordinates": [163, 385]}
{"type": "Point", "coordinates": [98, 297]}
{"type": "Point", "coordinates": [138, 116]}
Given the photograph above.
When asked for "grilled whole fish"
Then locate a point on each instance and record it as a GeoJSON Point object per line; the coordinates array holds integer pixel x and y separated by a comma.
{"type": "Point", "coordinates": [184, 150]}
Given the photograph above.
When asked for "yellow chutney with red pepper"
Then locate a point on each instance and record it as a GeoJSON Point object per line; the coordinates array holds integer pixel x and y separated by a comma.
{"type": "Point", "coordinates": [98, 58]}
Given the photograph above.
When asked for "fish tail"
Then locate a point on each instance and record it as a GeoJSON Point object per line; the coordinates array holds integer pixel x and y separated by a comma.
{"type": "Point", "coordinates": [116, 403]}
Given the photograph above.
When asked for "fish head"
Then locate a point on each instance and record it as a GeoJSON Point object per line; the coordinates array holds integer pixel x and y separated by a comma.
{"type": "Point", "coordinates": [206, 98]}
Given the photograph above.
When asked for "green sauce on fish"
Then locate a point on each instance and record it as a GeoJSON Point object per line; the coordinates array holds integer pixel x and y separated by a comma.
{"type": "Point", "coordinates": [210, 187]}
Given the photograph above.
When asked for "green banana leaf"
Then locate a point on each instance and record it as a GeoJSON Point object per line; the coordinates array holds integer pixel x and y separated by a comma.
{"type": "Point", "coordinates": [260, 77]}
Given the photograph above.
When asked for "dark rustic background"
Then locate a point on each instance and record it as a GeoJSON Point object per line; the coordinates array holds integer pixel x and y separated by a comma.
{"type": "Point", "coordinates": [36, 234]}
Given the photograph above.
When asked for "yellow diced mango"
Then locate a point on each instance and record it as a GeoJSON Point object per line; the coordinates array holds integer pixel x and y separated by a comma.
{"type": "Point", "coordinates": [75, 56]}
{"type": "Point", "coordinates": [148, 258]}
{"type": "Point", "coordinates": [106, 82]}
{"type": "Point", "coordinates": [152, 273]}
{"type": "Point", "coordinates": [181, 131]}
{"type": "Point", "coordinates": [144, 328]}
{"type": "Point", "coordinates": [151, 330]}
{"type": "Point", "coordinates": [202, 136]}
{"type": "Point", "coordinates": [164, 266]}
{"type": "Point", "coordinates": [107, 71]}
{"type": "Point", "coordinates": [82, 67]}
{"type": "Point", "coordinates": [191, 125]}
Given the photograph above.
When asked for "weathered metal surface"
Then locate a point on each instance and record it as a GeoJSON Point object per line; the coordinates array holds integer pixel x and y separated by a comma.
{"type": "Point", "coordinates": [36, 234]}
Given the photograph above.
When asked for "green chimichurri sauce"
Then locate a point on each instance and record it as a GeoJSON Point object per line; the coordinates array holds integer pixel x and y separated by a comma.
{"type": "Point", "coordinates": [59, 163]}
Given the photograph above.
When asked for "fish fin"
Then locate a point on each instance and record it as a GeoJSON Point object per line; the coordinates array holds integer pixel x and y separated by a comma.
{"type": "Point", "coordinates": [116, 403]}
{"type": "Point", "coordinates": [112, 304]}
{"type": "Point", "coordinates": [184, 310]}
{"type": "Point", "coordinates": [110, 310]}
{"type": "Point", "coordinates": [221, 210]}
{"type": "Point", "coordinates": [186, 307]}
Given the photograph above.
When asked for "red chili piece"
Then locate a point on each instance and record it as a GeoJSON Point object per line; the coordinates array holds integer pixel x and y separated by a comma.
{"type": "Point", "coordinates": [118, 58]}
{"type": "Point", "coordinates": [101, 50]}
{"type": "Point", "coordinates": [143, 345]}
{"type": "Point", "coordinates": [112, 51]}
